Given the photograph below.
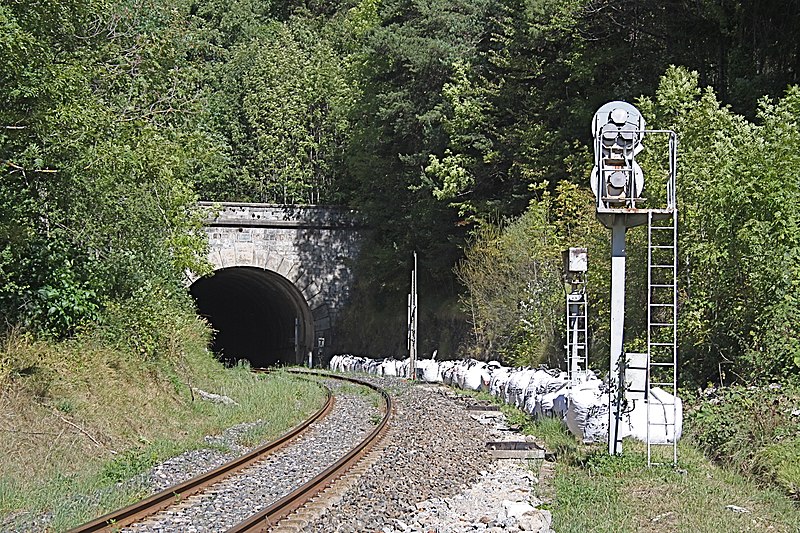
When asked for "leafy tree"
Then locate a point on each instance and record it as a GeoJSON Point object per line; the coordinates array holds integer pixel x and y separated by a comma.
{"type": "Point", "coordinates": [97, 146]}
{"type": "Point", "coordinates": [739, 195]}
{"type": "Point", "coordinates": [513, 278]}
{"type": "Point", "coordinates": [397, 124]}
{"type": "Point", "coordinates": [281, 99]}
{"type": "Point", "coordinates": [290, 99]}
{"type": "Point", "coordinates": [513, 275]}
{"type": "Point", "coordinates": [518, 113]}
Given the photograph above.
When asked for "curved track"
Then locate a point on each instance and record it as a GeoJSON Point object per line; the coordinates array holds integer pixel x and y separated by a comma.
{"type": "Point", "coordinates": [274, 513]}
{"type": "Point", "coordinates": [269, 516]}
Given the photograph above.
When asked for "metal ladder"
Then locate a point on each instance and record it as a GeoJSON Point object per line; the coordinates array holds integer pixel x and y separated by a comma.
{"type": "Point", "coordinates": [577, 335]}
{"type": "Point", "coordinates": [662, 331]}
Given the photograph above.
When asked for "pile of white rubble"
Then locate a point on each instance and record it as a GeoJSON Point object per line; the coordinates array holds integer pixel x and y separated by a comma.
{"type": "Point", "coordinates": [540, 392]}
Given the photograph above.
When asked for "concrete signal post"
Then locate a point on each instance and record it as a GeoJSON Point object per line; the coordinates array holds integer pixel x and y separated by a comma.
{"type": "Point", "coordinates": [617, 182]}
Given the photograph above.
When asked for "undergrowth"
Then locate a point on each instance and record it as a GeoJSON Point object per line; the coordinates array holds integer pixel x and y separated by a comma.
{"type": "Point", "coordinates": [755, 430]}
{"type": "Point", "coordinates": [79, 419]}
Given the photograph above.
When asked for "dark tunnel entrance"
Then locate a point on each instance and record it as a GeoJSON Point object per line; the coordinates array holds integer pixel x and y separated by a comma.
{"type": "Point", "coordinates": [256, 314]}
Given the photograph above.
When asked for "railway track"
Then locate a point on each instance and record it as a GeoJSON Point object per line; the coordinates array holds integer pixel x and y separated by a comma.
{"type": "Point", "coordinates": [174, 508]}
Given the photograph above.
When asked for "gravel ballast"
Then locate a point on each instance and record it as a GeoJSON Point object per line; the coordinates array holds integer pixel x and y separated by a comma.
{"type": "Point", "coordinates": [430, 474]}
{"type": "Point", "coordinates": [435, 475]}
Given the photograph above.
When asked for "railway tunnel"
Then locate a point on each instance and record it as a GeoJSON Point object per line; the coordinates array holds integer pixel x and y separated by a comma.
{"type": "Point", "coordinates": [256, 314]}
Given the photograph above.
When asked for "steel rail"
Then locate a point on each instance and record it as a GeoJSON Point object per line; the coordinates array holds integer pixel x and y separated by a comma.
{"type": "Point", "coordinates": [271, 515]}
{"type": "Point", "coordinates": [120, 518]}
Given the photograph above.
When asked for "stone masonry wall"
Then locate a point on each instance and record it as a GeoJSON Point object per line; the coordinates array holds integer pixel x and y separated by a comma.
{"type": "Point", "coordinates": [313, 247]}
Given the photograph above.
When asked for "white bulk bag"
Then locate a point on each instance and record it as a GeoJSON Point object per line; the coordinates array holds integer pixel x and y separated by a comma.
{"type": "Point", "coordinates": [587, 414]}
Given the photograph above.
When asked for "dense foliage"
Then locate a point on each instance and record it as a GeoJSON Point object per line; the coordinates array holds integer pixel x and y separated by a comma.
{"type": "Point", "coordinates": [752, 429]}
{"type": "Point", "coordinates": [740, 236]}
{"type": "Point", "coordinates": [513, 276]}
{"type": "Point", "coordinates": [441, 121]}
{"type": "Point", "coordinates": [99, 112]}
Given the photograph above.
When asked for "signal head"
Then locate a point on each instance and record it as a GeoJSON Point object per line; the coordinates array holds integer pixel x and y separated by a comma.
{"type": "Point", "coordinates": [618, 129]}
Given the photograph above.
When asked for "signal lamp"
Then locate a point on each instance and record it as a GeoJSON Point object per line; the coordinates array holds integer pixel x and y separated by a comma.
{"type": "Point", "coordinates": [617, 179]}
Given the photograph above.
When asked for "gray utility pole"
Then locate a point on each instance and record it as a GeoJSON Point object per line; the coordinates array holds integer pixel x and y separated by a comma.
{"type": "Point", "coordinates": [412, 323]}
{"type": "Point", "coordinates": [615, 376]}
{"type": "Point", "coordinates": [617, 182]}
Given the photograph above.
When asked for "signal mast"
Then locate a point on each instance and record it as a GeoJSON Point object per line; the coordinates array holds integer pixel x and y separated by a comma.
{"type": "Point", "coordinates": [618, 182]}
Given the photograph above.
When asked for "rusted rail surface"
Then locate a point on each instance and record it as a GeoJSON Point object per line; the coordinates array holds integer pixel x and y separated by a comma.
{"type": "Point", "coordinates": [279, 510]}
{"type": "Point", "coordinates": [268, 517]}
{"type": "Point", "coordinates": [138, 511]}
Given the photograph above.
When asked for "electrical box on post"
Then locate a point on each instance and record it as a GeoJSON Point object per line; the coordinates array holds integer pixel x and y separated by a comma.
{"type": "Point", "coordinates": [636, 376]}
{"type": "Point", "coordinates": [576, 260]}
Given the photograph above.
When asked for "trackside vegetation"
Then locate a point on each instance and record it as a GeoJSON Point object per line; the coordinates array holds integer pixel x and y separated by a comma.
{"type": "Point", "coordinates": [460, 130]}
{"type": "Point", "coordinates": [754, 430]}
{"type": "Point", "coordinates": [588, 490]}
{"type": "Point", "coordinates": [81, 420]}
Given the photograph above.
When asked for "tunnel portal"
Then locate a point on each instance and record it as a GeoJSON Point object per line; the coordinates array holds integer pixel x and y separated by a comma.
{"type": "Point", "coordinates": [256, 314]}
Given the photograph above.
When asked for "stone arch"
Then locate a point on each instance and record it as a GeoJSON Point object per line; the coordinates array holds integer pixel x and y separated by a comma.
{"type": "Point", "coordinates": [312, 247]}
{"type": "Point", "coordinates": [238, 255]}
{"type": "Point", "coordinates": [258, 314]}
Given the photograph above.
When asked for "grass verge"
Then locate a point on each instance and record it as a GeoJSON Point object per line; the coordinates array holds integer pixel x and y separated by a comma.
{"type": "Point", "coordinates": [597, 492]}
{"type": "Point", "coordinates": [590, 491]}
{"type": "Point", "coordinates": [76, 419]}
{"type": "Point", "coordinates": [754, 430]}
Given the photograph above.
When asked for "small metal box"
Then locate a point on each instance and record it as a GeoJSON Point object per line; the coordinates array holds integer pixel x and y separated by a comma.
{"type": "Point", "coordinates": [575, 260]}
{"type": "Point", "coordinates": [636, 376]}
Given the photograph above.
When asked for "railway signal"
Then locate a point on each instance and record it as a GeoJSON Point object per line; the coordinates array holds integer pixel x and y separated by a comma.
{"type": "Point", "coordinates": [617, 181]}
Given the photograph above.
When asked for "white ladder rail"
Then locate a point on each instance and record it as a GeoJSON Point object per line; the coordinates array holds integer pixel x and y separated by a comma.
{"type": "Point", "coordinates": [662, 325]}
{"type": "Point", "coordinates": [577, 335]}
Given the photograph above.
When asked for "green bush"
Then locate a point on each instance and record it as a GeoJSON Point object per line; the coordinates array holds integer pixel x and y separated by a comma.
{"type": "Point", "coordinates": [513, 276]}
{"type": "Point", "coordinates": [513, 279]}
{"type": "Point", "coordinates": [128, 464]}
{"type": "Point", "coordinates": [755, 430]}
{"type": "Point", "coordinates": [151, 323]}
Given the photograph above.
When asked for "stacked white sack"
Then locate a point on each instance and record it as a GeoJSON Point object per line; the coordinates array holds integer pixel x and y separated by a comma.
{"type": "Point", "coordinates": [428, 371]}
{"type": "Point", "coordinates": [538, 392]}
{"type": "Point", "coordinates": [664, 416]}
{"type": "Point", "coordinates": [587, 413]}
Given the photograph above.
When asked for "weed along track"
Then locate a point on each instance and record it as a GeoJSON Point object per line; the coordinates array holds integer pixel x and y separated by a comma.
{"type": "Point", "coordinates": [255, 491]}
